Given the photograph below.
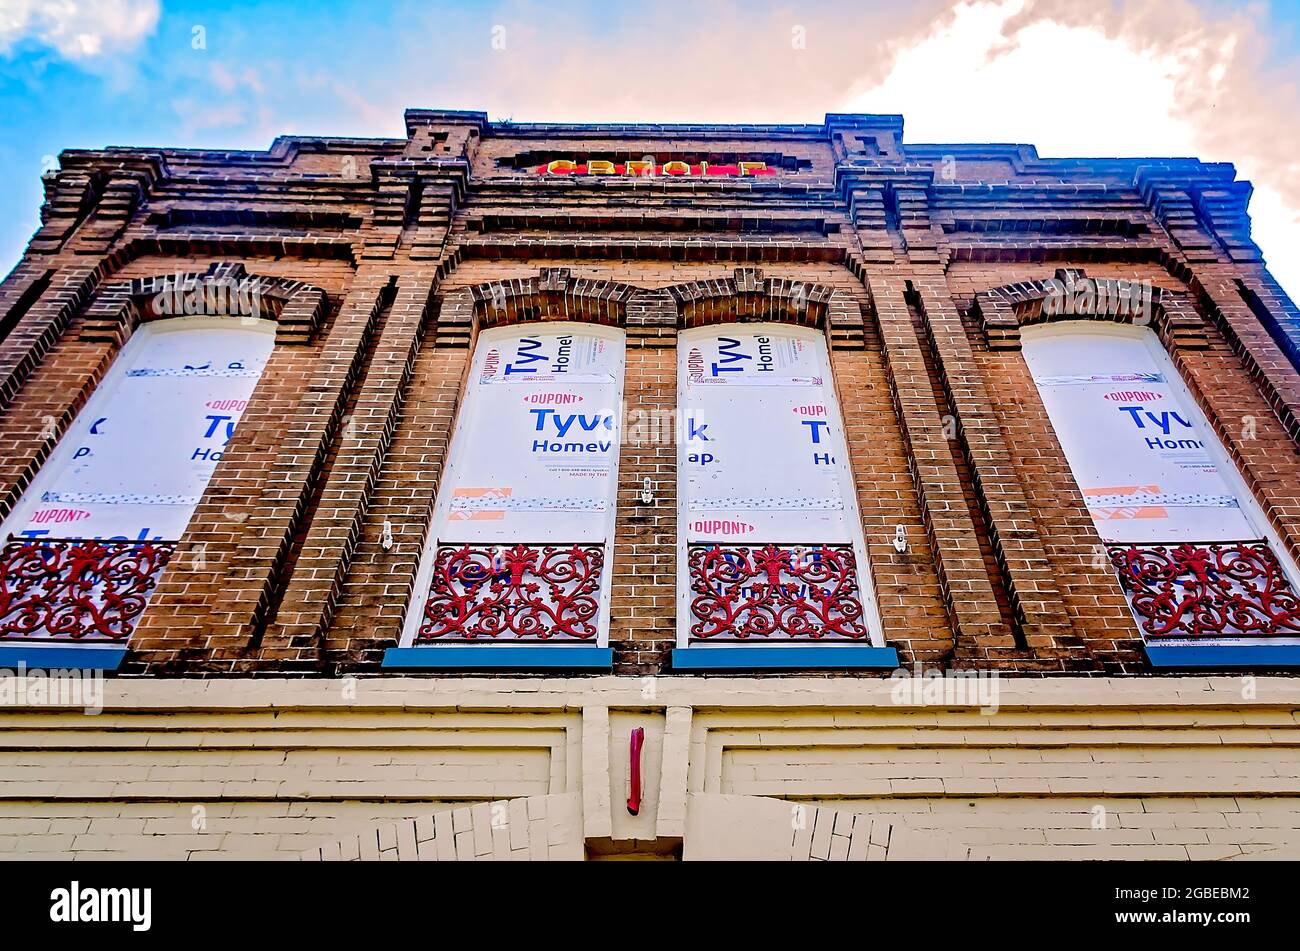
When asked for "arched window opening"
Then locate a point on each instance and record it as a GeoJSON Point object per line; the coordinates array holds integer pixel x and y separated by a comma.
{"type": "Point", "coordinates": [1194, 552]}
{"type": "Point", "coordinates": [87, 542]}
{"type": "Point", "coordinates": [770, 543]}
{"type": "Point", "coordinates": [519, 551]}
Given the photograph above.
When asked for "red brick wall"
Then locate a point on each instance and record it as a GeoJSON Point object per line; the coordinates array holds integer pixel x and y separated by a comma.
{"type": "Point", "coordinates": [282, 569]}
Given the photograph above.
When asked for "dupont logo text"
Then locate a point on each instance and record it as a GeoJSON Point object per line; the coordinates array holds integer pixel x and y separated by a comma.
{"type": "Point", "coordinates": [719, 526]}
{"type": "Point", "coordinates": [1134, 396]}
{"type": "Point", "coordinates": [58, 516]}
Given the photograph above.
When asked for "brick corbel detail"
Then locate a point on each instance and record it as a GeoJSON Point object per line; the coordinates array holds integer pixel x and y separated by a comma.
{"type": "Point", "coordinates": [417, 193]}
{"type": "Point", "coordinates": [1222, 207]}
{"type": "Point", "coordinates": [1169, 193]}
{"type": "Point", "coordinates": [91, 202]}
{"type": "Point", "coordinates": [890, 209]}
{"type": "Point", "coordinates": [921, 238]}
{"type": "Point", "coordinates": [125, 192]}
{"type": "Point", "coordinates": [69, 197]}
{"type": "Point", "coordinates": [870, 217]}
{"type": "Point", "coordinates": [397, 195]}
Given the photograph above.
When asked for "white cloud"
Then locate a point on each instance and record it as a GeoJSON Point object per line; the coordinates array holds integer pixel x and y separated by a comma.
{"type": "Point", "coordinates": [1146, 78]}
{"type": "Point", "coordinates": [78, 29]}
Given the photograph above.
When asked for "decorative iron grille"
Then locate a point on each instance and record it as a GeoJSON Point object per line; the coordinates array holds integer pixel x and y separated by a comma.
{"type": "Point", "coordinates": [526, 591]}
{"type": "Point", "coordinates": [77, 589]}
{"type": "Point", "coordinates": [781, 592]}
{"type": "Point", "coordinates": [1208, 589]}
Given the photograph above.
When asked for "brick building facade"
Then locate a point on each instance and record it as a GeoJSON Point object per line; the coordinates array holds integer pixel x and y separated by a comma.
{"type": "Point", "coordinates": [276, 662]}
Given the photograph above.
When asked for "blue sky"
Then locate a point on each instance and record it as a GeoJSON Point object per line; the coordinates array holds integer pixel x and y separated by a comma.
{"type": "Point", "coordinates": [1140, 77]}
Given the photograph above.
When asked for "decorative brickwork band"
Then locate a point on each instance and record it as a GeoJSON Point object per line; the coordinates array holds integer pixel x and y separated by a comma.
{"type": "Point", "coordinates": [526, 592]}
{"type": "Point", "coordinates": [1213, 589]}
{"type": "Point", "coordinates": [1071, 295]}
{"type": "Point", "coordinates": [782, 592]}
{"type": "Point", "coordinates": [749, 295]}
{"type": "Point", "coordinates": [73, 589]}
{"type": "Point", "coordinates": [225, 289]}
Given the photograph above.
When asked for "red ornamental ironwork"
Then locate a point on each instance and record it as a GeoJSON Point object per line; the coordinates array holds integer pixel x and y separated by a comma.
{"type": "Point", "coordinates": [1216, 589]}
{"type": "Point", "coordinates": [781, 592]}
{"type": "Point", "coordinates": [77, 589]}
{"type": "Point", "coordinates": [524, 592]}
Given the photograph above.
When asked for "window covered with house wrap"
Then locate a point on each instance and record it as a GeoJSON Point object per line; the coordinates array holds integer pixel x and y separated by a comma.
{"type": "Point", "coordinates": [1193, 550]}
{"type": "Point", "coordinates": [88, 540]}
{"type": "Point", "coordinates": [770, 541]}
{"type": "Point", "coordinates": [519, 549]}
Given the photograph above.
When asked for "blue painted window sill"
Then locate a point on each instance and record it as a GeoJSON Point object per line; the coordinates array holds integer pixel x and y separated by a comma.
{"type": "Point", "coordinates": [496, 657]}
{"type": "Point", "coordinates": [764, 657]}
{"type": "Point", "coordinates": [1224, 655]}
{"type": "Point", "coordinates": [84, 657]}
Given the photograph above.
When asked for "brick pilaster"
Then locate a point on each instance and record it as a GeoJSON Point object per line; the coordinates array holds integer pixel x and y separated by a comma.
{"type": "Point", "coordinates": [914, 610]}
{"type": "Point", "coordinates": [979, 630]}
{"type": "Point", "coordinates": [1020, 550]}
{"type": "Point", "coordinates": [43, 323]}
{"type": "Point", "coordinates": [643, 603]}
{"type": "Point", "coordinates": [326, 551]}
{"type": "Point", "coordinates": [1264, 359]}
